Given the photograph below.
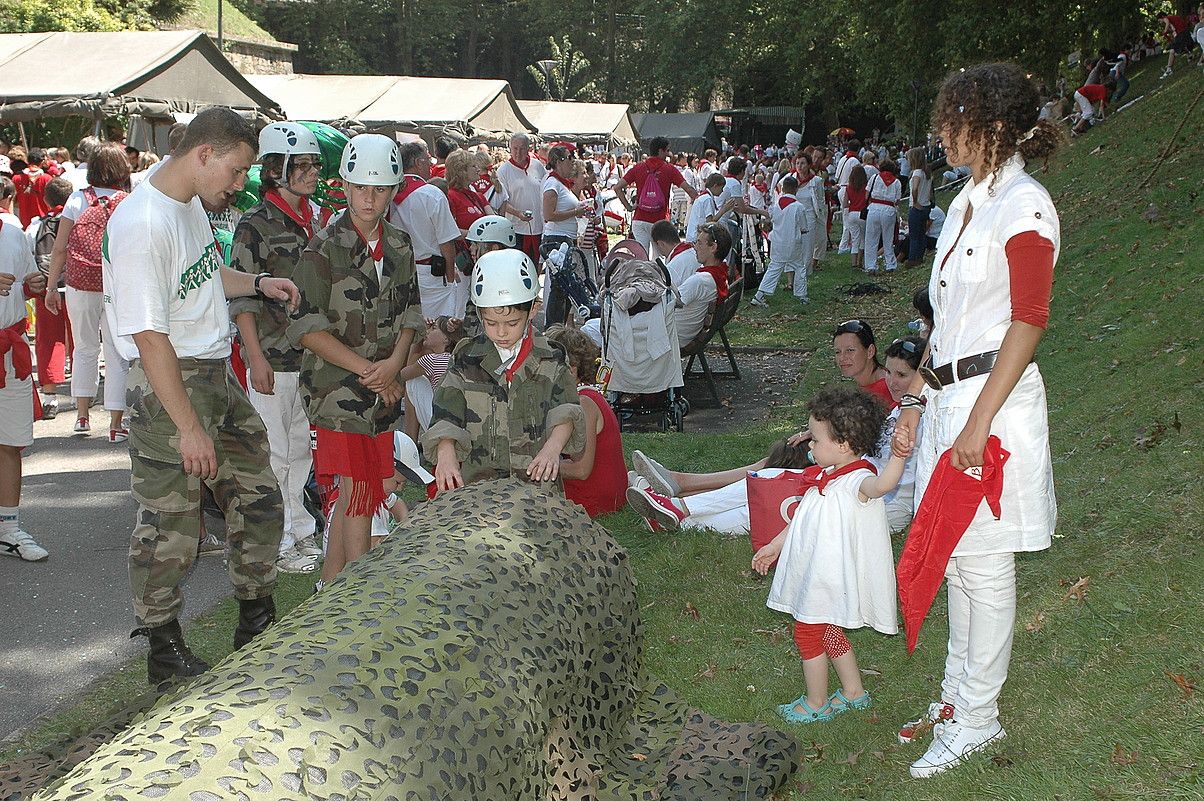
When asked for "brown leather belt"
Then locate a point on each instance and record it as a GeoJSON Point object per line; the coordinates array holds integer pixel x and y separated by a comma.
{"type": "Point", "coordinates": [970, 366]}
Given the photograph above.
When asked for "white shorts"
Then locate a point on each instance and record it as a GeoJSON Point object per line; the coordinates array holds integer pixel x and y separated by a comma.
{"type": "Point", "coordinates": [16, 408]}
{"type": "Point", "coordinates": [1085, 107]}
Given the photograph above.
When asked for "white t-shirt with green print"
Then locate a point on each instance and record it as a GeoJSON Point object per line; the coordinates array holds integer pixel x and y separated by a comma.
{"type": "Point", "coordinates": [162, 273]}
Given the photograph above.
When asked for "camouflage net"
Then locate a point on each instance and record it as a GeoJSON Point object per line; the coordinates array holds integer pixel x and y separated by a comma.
{"type": "Point", "coordinates": [492, 650]}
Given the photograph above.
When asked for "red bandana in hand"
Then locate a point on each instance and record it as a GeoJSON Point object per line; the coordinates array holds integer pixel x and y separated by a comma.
{"type": "Point", "coordinates": [950, 503]}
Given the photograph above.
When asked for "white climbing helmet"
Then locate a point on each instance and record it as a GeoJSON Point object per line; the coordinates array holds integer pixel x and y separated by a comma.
{"type": "Point", "coordinates": [288, 139]}
{"type": "Point", "coordinates": [503, 278]}
{"type": "Point", "coordinates": [492, 228]}
{"type": "Point", "coordinates": [371, 160]}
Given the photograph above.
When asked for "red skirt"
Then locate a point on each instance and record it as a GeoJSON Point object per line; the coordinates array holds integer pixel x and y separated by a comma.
{"type": "Point", "coordinates": [366, 460]}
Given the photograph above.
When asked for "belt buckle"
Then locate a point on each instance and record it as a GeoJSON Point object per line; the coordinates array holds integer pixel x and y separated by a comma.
{"type": "Point", "coordinates": [929, 376]}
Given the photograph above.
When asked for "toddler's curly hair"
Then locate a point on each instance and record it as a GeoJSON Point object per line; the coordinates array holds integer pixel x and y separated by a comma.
{"type": "Point", "coordinates": [996, 105]}
{"type": "Point", "coordinates": [856, 416]}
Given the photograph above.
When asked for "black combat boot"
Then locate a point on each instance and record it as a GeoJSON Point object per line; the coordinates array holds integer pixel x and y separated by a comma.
{"type": "Point", "coordinates": [169, 657]}
{"type": "Point", "coordinates": [253, 617]}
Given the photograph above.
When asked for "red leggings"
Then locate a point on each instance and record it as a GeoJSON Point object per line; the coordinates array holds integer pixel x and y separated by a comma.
{"type": "Point", "coordinates": [817, 639]}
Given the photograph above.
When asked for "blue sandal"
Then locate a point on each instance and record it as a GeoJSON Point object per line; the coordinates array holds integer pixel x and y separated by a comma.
{"type": "Point", "coordinates": [808, 715]}
{"type": "Point", "coordinates": [840, 703]}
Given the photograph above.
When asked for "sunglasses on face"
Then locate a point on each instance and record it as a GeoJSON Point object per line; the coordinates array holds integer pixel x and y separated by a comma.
{"type": "Point", "coordinates": [305, 165]}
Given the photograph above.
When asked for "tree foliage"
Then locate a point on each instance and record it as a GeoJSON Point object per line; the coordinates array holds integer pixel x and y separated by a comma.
{"type": "Point", "coordinates": [36, 16]}
{"type": "Point", "coordinates": [568, 73]}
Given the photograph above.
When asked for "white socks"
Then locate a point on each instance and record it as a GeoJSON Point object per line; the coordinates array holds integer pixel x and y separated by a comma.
{"type": "Point", "coordinates": [9, 519]}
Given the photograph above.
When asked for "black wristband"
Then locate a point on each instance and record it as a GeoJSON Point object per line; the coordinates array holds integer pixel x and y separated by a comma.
{"type": "Point", "coordinates": [258, 278]}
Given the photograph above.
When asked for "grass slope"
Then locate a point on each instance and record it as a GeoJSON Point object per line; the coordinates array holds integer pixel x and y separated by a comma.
{"type": "Point", "coordinates": [1090, 708]}
{"type": "Point", "coordinates": [203, 16]}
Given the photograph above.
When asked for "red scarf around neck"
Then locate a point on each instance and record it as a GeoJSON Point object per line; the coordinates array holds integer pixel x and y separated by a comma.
{"type": "Point", "coordinates": [719, 273]}
{"type": "Point", "coordinates": [524, 350]}
{"type": "Point", "coordinates": [680, 248]}
{"type": "Point", "coordinates": [786, 200]}
{"type": "Point", "coordinates": [818, 477]}
{"type": "Point", "coordinates": [305, 219]}
{"type": "Point", "coordinates": [566, 181]}
{"type": "Point", "coordinates": [525, 165]}
{"type": "Point", "coordinates": [887, 177]}
{"type": "Point", "coordinates": [377, 252]}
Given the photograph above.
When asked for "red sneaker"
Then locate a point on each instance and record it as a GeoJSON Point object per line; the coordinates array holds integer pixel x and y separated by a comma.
{"type": "Point", "coordinates": [655, 508]}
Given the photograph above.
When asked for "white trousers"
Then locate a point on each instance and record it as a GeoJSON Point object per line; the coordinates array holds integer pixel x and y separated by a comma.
{"type": "Point", "coordinates": [901, 508]}
{"type": "Point", "coordinates": [982, 617]}
{"type": "Point", "coordinates": [845, 233]}
{"type": "Point", "coordinates": [90, 328]}
{"type": "Point", "coordinates": [440, 299]}
{"type": "Point", "coordinates": [724, 509]}
{"type": "Point", "coordinates": [880, 233]}
{"type": "Point", "coordinates": [283, 414]}
{"type": "Point", "coordinates": [773, 273]}
{"type": "Point", "coordinates": [420, 396]}
{"type": "Point", "coordinates": [855, 226]}
{"type": "Point", "coordinates": [819, 232]}
{"type": "Point", "coordinates": [642, 232]}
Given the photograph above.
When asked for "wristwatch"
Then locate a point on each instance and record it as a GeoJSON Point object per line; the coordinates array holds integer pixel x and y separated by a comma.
{"type": "Point", "coordinates": [258, 278]}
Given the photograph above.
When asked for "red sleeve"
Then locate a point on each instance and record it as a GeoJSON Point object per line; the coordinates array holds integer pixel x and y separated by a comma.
{"type": "Point", "coordinates": [1030, 275]}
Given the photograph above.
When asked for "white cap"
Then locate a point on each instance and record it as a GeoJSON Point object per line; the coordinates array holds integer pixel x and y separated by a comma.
{"type": "Point", "coordinates": [407, 462]}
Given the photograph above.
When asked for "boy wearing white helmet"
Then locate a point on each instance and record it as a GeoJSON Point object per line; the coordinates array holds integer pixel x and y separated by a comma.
{"type": "Point", "coordinates": [358, 316]}
{"type": "Point", "coordinates": [508, 404]}
{"type": "Point", "coordinates": [269, 240]}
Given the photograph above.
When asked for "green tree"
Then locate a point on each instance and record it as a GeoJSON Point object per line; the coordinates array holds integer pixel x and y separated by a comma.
{"type": "Point", "coordinates": [567, 71]}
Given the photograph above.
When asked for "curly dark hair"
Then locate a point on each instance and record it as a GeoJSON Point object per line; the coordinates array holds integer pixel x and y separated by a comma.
{"type": "Point", "coordinates": [856, 416]}
{"type": "Point", "coordinates": [582, 353]}
{"type": "Point", "coordinates": [995, 106]}
{"type": "Point", "coordinates": [790, 457]}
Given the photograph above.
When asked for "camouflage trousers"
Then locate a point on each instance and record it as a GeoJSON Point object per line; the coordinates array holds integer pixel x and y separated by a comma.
{"type": "Point", "coordinates": [168, 527]}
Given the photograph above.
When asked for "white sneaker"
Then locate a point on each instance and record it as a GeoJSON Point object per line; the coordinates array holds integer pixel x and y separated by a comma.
{"type": "Point", "coordinates": [656, 473]}
{"type": "Point", "coordinates": [19, 544]}
{"type": "Point", "coordinates": [308, 546]}
{"type": "Point", "coordinates": [290, 561]}
{"type": "Point", "coordinates": [953, 745]}
{"type": "Point", "coordinates": [634, 479]}
{"type": "Point", "coordinates": [757, 300]}
{"type": "Point", "coordinates": [1166, 73]}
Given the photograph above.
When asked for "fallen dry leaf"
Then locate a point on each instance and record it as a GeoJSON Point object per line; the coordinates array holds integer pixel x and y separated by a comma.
{"type": "Point", "coordinates": [1122, 757]}
{"type": "Point", "coordinates": [1078, 590]}
{"type": "Point", "coordinates": [875, 719]}
{"type": "Point", "coordinates": [640, 757]}
{"type": "Point", "coordinates": [691, 611]}
{"type": "Point", "coordinates": [707, 672]}
{"type": "Point", "coordinates": [851, 759]}
{"type": "Point", "coordinates": [775, 635]}
{"type": "Point", "coordinates": [1001, 761]}
{"type": "Point", "coordinates": [1034, 625]}
{"type": "Point", "coordinates": [1181, 681]}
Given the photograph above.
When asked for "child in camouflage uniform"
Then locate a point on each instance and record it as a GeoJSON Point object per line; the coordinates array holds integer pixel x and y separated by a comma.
{"type": "Point", "coordinates": [359, 315]}
{"type": "Point", "coordinates": [508, 404]}
{"type": "Point", "coordinates": [269, 239]}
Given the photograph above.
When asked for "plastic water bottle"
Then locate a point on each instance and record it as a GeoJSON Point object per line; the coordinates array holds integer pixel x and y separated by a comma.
{"type": "Point", "coordinates": [916, 325]}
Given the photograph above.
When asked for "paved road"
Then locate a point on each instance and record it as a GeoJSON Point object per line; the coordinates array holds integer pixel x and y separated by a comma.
{"type": "Point", "coordinates": [67, 620]}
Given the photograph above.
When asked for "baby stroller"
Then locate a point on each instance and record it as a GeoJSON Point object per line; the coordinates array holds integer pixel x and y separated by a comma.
{"type": "Point", "coordinates": [569, 273]}
{"type": "Point", "coordinates": [639, 338]}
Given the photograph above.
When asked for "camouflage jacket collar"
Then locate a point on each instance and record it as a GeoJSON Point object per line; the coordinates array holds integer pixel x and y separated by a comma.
{"type": "Point", "coordinates": [346, 236]}
{"type": "Point", "coordinates": [482, 354]}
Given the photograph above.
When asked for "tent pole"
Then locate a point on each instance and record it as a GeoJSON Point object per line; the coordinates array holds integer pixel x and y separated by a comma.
{"type": "Point", "coordinates": [24, 142]}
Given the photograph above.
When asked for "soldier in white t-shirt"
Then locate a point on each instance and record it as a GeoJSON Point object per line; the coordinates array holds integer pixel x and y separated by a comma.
{"type": "Point", "coordinates": [191, 422]}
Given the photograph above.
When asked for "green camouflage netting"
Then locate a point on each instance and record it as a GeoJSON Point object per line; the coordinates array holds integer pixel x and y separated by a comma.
{"type": "Point", "coordinates": [490, 650]}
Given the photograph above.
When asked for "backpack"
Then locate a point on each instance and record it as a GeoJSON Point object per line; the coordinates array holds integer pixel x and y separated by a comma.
{"type": "Point", "coordinates": [43, 244]}
{"type": "Point", "coordinates": [83, 244]}
{"type": "Point", "coordinates": [652, 197]}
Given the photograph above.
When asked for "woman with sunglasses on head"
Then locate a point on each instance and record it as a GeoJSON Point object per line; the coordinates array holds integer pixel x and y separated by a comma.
{"type": "Point", "coordinates": [856, 355]}
{"type": "Point", "coordinates": [990, 290]}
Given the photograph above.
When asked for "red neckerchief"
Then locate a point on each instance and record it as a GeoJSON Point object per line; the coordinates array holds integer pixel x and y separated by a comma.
{"type": "Point", "coordinates": [719, 273]}
{"type": "Point", "coordinates": [786, 200]}
{"type": "Point", "coordinates": [409, 184]}
{"type": "Point", "coordinates": [851, 154]}
{"type": "Point", "coordinates": [564, 181]}
{"type": "Point", "coordinates": [377, 252]}
{"type": "Point", "coordinates": [524, 350]}
{"type": "Point", "coordinates": [305, 219]}
{"type": "Point", "coordinates": [13, 339]}
{"type": "Point", "coordinates": [818, 477]}
{"type": "Point", "coordinates": [681, 247]}
{"type": "Point", "coordinates": [524, 167]}
{"type": "Point", "coordinates": [760, 185]}
{"type": "Point", "coordinates": [887, 176]}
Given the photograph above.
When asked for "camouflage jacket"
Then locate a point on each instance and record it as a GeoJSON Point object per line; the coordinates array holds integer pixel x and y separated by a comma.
{"type": "Point", "coordinates": [497, 429]}
{"type": "Point", "coordinates": [341, 295]}
{"type": "Point", "coordinates": [267, 241]}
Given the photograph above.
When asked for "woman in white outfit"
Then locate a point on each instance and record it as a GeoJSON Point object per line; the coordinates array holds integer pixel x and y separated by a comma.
{"type": "Point", "coordinates": [990, 291]}
{"type": "Point", "coordinates": [884, 193]}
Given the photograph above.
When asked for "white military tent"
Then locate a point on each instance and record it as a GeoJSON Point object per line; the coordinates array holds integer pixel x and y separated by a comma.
{"type": "Point", "coordinates": [607, 124]}
{"type": "Point", "coordinates": [153, 74]}
{"type": "Point", "coordinates": [471, 108]}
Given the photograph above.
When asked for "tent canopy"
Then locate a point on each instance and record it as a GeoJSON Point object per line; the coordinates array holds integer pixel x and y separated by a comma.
{"type": "Point", "coordinates": [474, 108]}
{"type": "Point", "coordinates": [692, 133]}
{"type": "Point", "coordinates": [150, 73]}
{"type": "Point", "coordinates": [584, 123]}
